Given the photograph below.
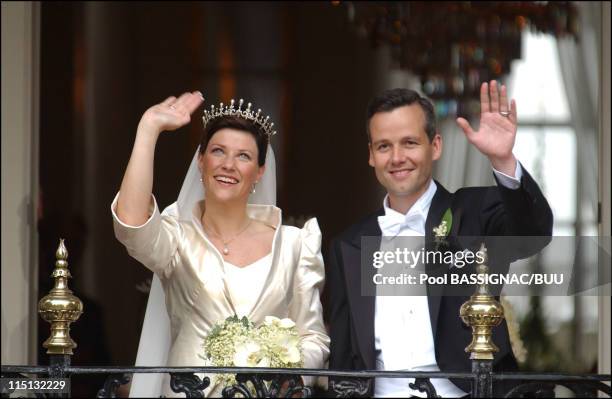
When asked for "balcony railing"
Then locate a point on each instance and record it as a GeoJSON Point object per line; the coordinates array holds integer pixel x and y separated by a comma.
{"type": "Point", "coordinates": [482, 312]}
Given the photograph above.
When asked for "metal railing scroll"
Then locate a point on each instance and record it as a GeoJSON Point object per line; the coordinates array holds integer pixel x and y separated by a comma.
{"type": "Point", "coordinates": [482, 312]}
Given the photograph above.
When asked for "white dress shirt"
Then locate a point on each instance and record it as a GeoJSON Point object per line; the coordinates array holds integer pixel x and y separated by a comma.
{"type": "Point", "coordinates": [402, 327]}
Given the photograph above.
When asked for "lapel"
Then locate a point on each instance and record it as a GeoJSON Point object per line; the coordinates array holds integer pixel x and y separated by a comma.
{"type": "Point", "coordinates": [439, 204]}
{"type": "Point", "coordinates": [362, 306]}
{"type": "Point", "coordinates": [276, 256]}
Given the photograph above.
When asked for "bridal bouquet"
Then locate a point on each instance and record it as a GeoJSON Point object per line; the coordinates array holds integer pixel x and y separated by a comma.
{"type": "Point", "coordinates": [236, 342]}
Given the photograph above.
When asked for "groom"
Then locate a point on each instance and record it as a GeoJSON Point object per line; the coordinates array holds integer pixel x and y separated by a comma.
{"type": "Point", "coordinates": [425, 333]}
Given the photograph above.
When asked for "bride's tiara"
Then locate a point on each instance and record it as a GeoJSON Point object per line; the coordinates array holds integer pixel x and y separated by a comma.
{"type": "Point", "coordinates": [264, 123]}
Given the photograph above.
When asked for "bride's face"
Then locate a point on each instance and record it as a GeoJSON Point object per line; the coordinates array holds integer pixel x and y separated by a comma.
{"type": "Point", "coordinates": [229, 165]}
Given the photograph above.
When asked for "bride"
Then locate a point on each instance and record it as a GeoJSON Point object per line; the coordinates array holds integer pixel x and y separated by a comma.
{"type": "Point", "coordinates": [228, 254]}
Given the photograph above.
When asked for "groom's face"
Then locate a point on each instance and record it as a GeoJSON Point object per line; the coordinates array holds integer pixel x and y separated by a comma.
{"type": "Point", "coordinates": [400, 151]}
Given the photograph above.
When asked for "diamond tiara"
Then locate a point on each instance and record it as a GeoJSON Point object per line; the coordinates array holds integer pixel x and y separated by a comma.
{"type": "Point", "coordinates": [266, 125]}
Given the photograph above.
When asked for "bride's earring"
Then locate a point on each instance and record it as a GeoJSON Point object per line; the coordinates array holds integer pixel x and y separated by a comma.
{"type": "Point", "coordinates": [201, 179]}
{"type": "Point", "coordinates": [253, 190]}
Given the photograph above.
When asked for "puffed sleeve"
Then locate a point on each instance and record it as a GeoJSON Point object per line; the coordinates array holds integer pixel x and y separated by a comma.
{"type": "Point", "coordinates": [305, 308]}
{"type": "Point", "coordinates": [154, 243]}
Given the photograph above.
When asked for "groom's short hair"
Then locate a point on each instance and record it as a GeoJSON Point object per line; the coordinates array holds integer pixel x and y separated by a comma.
{"type": "Point", "coordinates": [391, 99]}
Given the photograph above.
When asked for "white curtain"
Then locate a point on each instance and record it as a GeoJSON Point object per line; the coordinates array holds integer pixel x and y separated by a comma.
{"type": "Point", "coordinates": [461, 164]}
{"type": "Point", "coordinates": [579, 62]}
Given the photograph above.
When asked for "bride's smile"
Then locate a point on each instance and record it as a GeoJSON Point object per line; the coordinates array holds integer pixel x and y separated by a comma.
{"type": "Point", "coordinates": [229, 165]}
{"type": "Point", "coordinates": [226, 180]}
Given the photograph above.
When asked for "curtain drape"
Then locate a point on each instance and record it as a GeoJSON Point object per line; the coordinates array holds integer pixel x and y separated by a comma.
{"type": "Point", "coordinates": [580, 71]}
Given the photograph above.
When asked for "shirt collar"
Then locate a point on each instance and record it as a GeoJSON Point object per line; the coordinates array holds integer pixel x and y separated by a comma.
{"type": "Point", "coordinates": [421, 205]}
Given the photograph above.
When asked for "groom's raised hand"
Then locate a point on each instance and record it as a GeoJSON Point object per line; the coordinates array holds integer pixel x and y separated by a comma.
{"type": "Point", "coordinates": [497, 131]}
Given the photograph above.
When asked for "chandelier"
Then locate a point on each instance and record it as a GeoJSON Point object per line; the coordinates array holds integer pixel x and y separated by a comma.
{"type": "Point", "coordinates": [452, 47]}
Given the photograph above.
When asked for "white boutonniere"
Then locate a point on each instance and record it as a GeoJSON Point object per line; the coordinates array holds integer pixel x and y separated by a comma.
{"type": "Point", "coordinates": [443, 229]}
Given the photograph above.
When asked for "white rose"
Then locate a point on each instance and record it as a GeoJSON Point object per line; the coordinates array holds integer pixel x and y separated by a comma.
{"type": "Point", "coordinates": [289, 349]}
{"type": "Point", "coordinates": [264, 362]}
{"type": "Point", "coordinates": [290, 354]}
{"type": "Point", "coordinates": [271, 320]}
{"type": "Point", "coordinates": [287, 323]}
{"type": "Point", "coordinates": [247, 355]}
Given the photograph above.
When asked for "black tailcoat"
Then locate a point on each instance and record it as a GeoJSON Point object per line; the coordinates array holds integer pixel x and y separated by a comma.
{"type": "Point", "coordinates": [477, 211]}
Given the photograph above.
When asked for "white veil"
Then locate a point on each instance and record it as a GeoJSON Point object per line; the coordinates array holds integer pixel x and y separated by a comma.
{"type": "Point", "coordinates": [155, 336]}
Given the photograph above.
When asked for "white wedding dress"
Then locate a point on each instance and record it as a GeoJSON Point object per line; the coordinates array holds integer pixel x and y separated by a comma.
{"type": "Point", "coordinates": [197, 288]}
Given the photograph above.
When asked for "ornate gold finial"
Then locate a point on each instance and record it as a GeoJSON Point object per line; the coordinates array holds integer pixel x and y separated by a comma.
{"type": "Point", "coordinates": [482, 312]}
{"type": "Point", "coordinates": [248, 113]}
{"type": "Point", "coordinates": [60, 307]}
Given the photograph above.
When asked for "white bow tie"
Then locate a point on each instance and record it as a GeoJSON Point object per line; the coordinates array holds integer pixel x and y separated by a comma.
{"type": "Point", "coordinates": [392, 224]}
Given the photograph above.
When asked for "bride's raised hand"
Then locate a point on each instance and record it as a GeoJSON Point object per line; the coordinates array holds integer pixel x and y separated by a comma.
{"type": "Point", "coordinates": [172, 113]}
{"type": "Point", "coordinates": [137, 184]}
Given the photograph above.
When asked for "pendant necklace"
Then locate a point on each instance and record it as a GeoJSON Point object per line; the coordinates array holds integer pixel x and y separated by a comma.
{"type": "Point", "coordinates": [226, 250]}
